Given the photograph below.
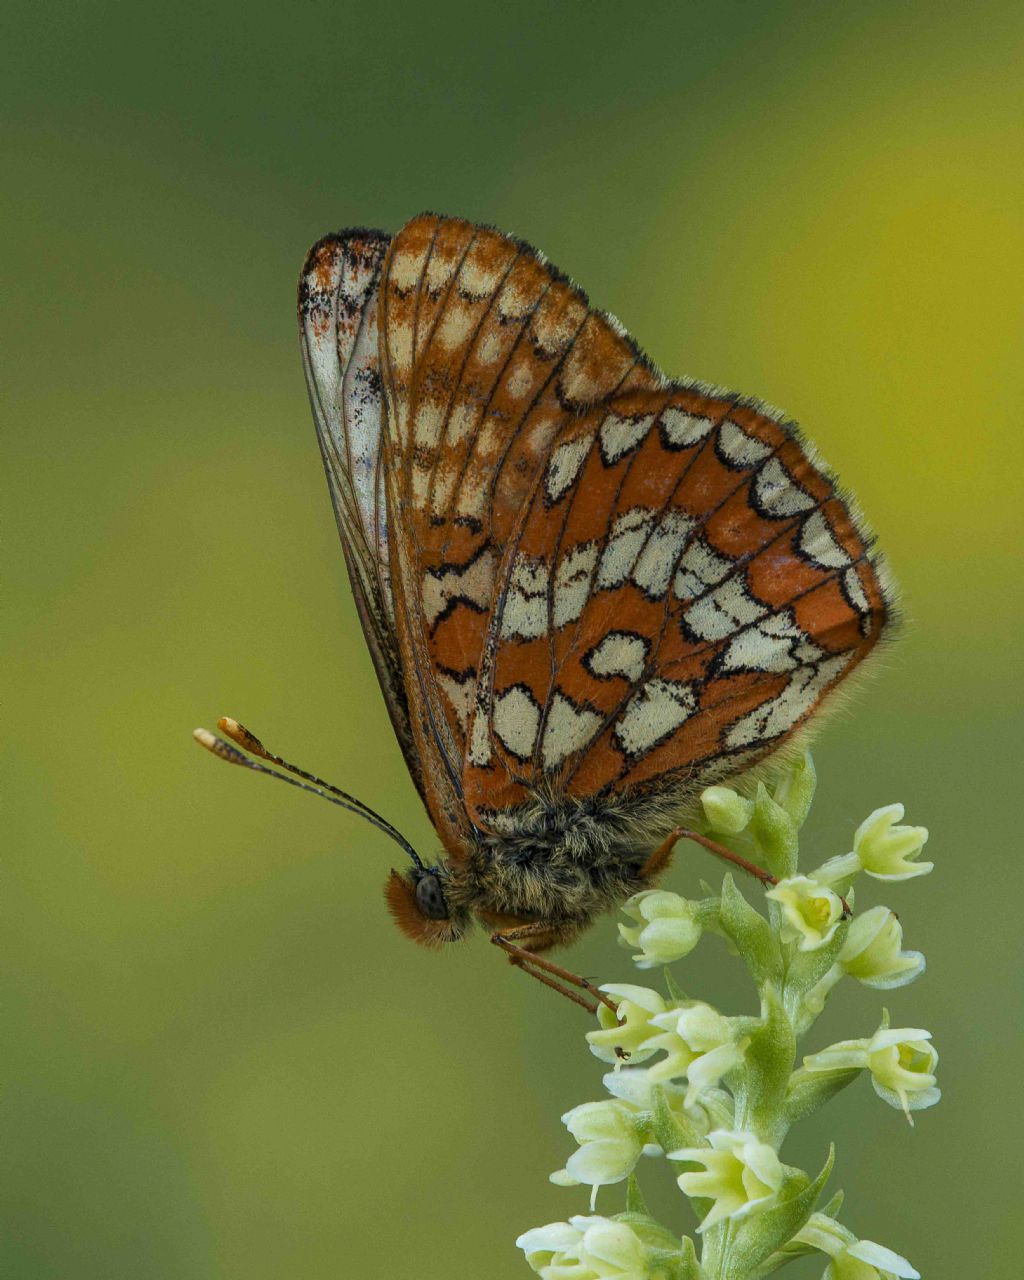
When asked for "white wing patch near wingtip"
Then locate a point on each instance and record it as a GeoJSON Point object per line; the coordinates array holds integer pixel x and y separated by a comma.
{"type": "Point", "coordinates": [818, 543]}
{"type": "Point", "coordinates": [619, 436]}
{"type": "Point", "coordinates": [738, 448]}
{"type": "Point", "coordinates": [681, 429]}
{"type": "Point", "coordinates": [653, 713]}
{"type": "Point", "coordinates": [778, 494]}
{"type": "Point", "coordinates": [782, 712]}
{"type": "Point", "coordinates": [568, 728]}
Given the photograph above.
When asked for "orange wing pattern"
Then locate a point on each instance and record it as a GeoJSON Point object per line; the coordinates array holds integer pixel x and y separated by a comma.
{"type": "Point", "coordinates": [587, 578]}
{"type": "Point", "coordinates": [682, 591]}
{"type": "Point", "coordinates": [486, 353]}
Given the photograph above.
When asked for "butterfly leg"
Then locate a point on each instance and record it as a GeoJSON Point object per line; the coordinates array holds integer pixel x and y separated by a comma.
{"type": "Point", "coordinates": [660, 857]}
{"type": "Point", "coordinates": [552, 975]}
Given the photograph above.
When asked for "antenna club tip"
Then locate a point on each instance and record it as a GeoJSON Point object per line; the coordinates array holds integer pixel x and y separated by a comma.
{"type": "Point", "coordinates": [205, 738]}
{"type": "Point", "coordinates": [238, 733]}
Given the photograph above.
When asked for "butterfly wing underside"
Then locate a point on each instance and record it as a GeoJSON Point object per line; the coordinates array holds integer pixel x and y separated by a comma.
{"type": "Point", "coordinates": [338, 302]}
{"type": "Point", "coordinates": [574, 575]}
{"type": "Point", "coordinates": [603, 580]}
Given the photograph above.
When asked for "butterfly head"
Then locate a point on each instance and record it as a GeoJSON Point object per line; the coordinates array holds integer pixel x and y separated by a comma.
{"type": "Point", "coordinates": [421, 907]}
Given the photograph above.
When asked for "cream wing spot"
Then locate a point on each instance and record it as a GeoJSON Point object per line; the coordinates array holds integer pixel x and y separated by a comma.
{"type": "Point", "coordinates": [653, 570]}
{"type": "Point", "coordinates": [782, 712]}
{"type": "Point", "coordinates": [699, 568]}
{"type": "Point", "coordinates": [653, 713]}
{"type": "Point", "coordinates": [775, 645]}
{"type": "Point", "coordinates": [619, 436]}
{"type": "Point", "coordinates": [519, 380]}
{"type": "Point", "coordinates": [723, 611]}
{"type": "Point", "coordinates": [564, 467]}
{"type": "Point", "coordinates": [489, 349]}
{"type": "Point", "coordinates": [516, 720]}
{"type": "Point", "coordinates": [620, 653]}
{"type": "Point", "coordinates": [739, 449]}
{"type": "Point", "coordinates": [778, 494]}
{"type": "Point", "coordinates": [525, 615]}
{"type": "Point", "coordinates": [471, 583]}
{"type": "Point", "coordinates": [572, 583]}
{"type": "Point", "coordinates": [480, 753]}
{"type": "Point", "coordinates": [405, 270]}
{"type": "Point", "coordinates": [680, 429]}
{"type": "Point", "coordinates": [818, 543]}
{"type": "Point", "coordinates": [456, 327]}
{"type": "Point", "coordinates": [460, 695]}
{"type": "Point", "coordinates": [628, 534]}
{"type": "Point", "coordinates": [568, 728]}
{"type": "Point", "coordinates": [855, 592]}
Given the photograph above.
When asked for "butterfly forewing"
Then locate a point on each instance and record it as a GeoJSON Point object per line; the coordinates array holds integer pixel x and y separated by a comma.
{"type": "Point", "coordinates": [338, 303]}
{"type": "Point", "coordinates": [488, 355]}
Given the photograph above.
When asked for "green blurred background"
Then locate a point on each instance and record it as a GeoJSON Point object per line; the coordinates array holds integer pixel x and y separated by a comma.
{"type": "Point", "coordinates": [222, 1060]}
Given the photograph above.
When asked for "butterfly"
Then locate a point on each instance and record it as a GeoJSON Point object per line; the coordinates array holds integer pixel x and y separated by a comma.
{"type": "Point", "coordinates": [588, 590]}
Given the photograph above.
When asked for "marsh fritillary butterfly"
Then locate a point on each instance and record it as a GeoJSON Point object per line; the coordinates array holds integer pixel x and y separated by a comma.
{"type": "Point", "coordinates": [588, 590]}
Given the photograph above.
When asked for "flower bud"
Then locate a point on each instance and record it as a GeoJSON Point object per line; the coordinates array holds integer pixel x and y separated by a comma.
{"type": "Point", "coordinates": [872, 951]}
{"type": "Point", "coordinates": [668, 927]}
{"type": "Point", "coordinates": [726, 810]}
{"type": "Point", "coordinates": [889, 852]}
{"type": "Point", "coordinates": [609, 1144]}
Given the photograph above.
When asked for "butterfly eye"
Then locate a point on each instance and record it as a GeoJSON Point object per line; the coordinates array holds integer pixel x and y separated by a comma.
{"type": "Point", "coordinates": [430, 898]}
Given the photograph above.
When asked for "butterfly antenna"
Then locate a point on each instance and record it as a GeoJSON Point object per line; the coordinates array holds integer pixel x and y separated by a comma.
{"type": "Point", "coordinates": [225, 751]}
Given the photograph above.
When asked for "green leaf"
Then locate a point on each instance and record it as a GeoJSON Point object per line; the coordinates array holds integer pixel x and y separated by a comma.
{"type": "Point", "coordinates": [765, 1233]}
{"type": "Point", "coordinates": [668, 1132]}
{"type": "Point", "coordinates": [635, 1202]}
{"type": "Point", "coordinates": [809, 1090]}
{"type": "Point", "coordinates": [750, 933]}
{"type": "Point", "coordinates": [831, 1210]}
{"type": "Point", "coordinates": [691, 1268]}
{"type": "Point", "coordinates": [769, 1062]}
{"type": "Point", "coordinates": [795, 791]}
{"type": "Point", "coordinates": [775, 833]}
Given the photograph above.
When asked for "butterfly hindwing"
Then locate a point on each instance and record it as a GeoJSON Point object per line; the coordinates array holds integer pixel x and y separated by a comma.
{"type": "Point", "coordinates": [684, 589]}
